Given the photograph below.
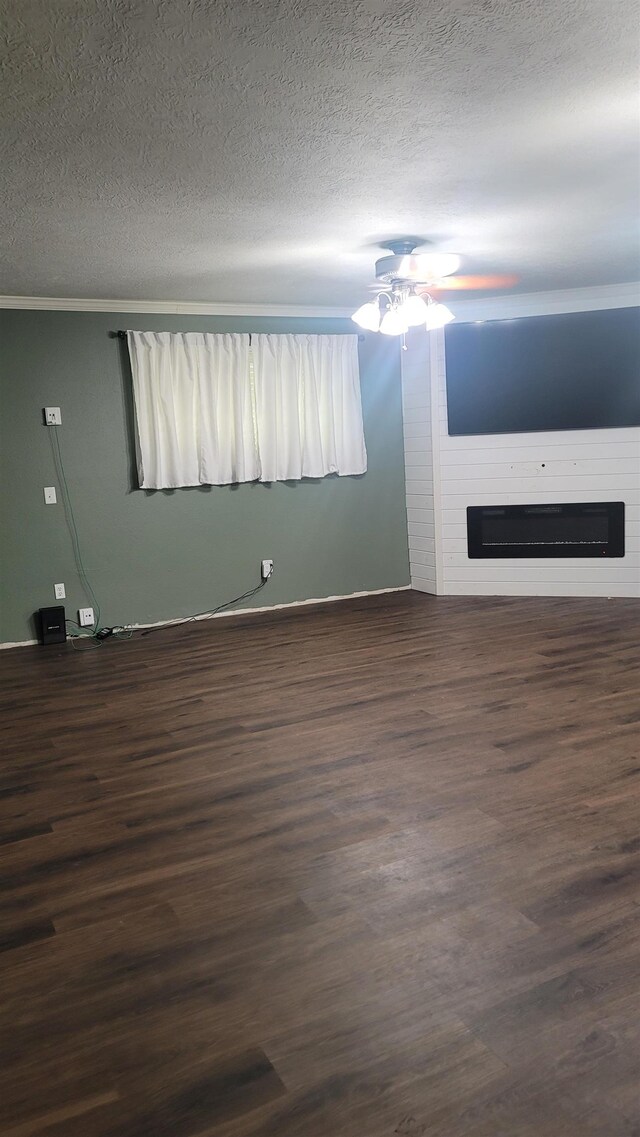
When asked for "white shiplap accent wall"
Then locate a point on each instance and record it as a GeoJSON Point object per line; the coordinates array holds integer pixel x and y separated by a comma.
{"type": "Point", "coordinates": [556, 466]}
{"type": "Point", "coordinates": [417, 418]}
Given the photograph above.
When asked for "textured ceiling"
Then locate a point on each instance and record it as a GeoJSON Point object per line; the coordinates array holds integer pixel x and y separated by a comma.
{"type": "Point", "coordinates": [249, 151]}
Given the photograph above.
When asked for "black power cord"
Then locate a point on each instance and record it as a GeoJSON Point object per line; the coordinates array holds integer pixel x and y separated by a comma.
{"type": "Point", "coordinates": [210, 611]}
{"type": "Point", "coordinates": [91, 638]}
{"type": "Point", "coordinates": [99, 634]}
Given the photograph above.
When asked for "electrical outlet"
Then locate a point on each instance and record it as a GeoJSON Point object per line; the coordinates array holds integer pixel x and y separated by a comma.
{"type": "Point", "coordinates": [50, 497]}
{"type": "Point", "coordinates": [59, 591]}
{"type": "Point", "coordinates": [85, 617]}
{"type": "Point", "coordinates": [52, 416]}
{"type": "Point", "coordinates": [266, 569]}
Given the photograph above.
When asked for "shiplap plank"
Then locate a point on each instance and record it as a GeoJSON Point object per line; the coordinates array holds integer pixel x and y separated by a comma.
{"type": "Point", "coordinates": [625, 469]}
{"type": "Point", "coordinates": [548, 497]}
{"type": "Point", "coordinates": [423, 584]}
{"type": "Point", "coordinates": [543, 570]}
{"type": "Point", "coordinates": [422, 486]}
{"type": "Point", "coordinates": [613, 486]}
{"type": "Point", "coordinates": [412, 444]}
{"type": "Point", "coordinates": [417, 387]}
{"type": "Point", "coordinates": [422, 557]}
{"type": "Point", "coordinates": [415, 399]}
{"type": "Point", "coordinates": [540, 588]}
{"type": "Point", "coordinates": [418, 464]}
{"type": "Point", "coordinates": [420, 528]}
{"type": "Point", "coordinates": [417, 501]}
{"type": "Point", "coordinates": [418, 455]}
{"type": "Point", "coordinates": [529, 452]}
{"type": "Point", "coordinates": [417, 430]}
{"type": "Point", "coordinates": [427, 543]}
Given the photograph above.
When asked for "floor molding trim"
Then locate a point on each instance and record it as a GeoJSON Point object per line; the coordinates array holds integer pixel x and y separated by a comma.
{"type": "Point", "coordinates": [242, 611]}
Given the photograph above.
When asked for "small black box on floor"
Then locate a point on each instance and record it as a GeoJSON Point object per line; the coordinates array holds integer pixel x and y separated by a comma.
{"type": "Point", "coordinates": [51, 624]}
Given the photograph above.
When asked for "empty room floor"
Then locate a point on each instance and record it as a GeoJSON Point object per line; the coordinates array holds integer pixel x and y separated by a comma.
{"type": "Point", "coordinates": [356, 870]}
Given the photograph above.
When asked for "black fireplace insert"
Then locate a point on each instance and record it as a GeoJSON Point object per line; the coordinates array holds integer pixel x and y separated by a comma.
{"type": "Point", "coordinates": [578, 529]}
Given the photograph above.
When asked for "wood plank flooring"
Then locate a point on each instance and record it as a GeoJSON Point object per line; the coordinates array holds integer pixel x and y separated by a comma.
{"type": "Point", "coordinates": [367, 869]}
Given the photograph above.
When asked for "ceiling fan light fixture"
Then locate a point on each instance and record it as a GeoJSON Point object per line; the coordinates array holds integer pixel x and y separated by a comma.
{"type": "Point", "coordinates": [404, 299]}
{"type": "Point", "coordinates": [368, 316]}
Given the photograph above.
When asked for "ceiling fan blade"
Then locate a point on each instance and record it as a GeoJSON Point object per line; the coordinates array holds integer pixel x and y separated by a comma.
{"type": "Point", "coordinates": [462, 283]}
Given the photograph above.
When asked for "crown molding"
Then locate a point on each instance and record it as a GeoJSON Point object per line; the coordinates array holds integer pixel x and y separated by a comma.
{"type": "Point", "coordinates": [170, 307]}
{"type": "Point", "coordinates": [502, 307]}
{"type": "Point", "coordinates": [513, 305]}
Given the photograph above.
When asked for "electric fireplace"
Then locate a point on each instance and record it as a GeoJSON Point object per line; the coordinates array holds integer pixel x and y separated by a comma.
{"type": "Point", "coordinates": [578, 529]}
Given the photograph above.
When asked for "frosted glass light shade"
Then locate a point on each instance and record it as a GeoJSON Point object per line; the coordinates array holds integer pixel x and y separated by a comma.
{"type": "Point", "coordinates": [368, 316]}
{"type": "Point", "coordinates": [437, 316]}
{"type": "Point", "coordinates": [393, 323]}
{"type": "Point", "coordinates": [414, 311]}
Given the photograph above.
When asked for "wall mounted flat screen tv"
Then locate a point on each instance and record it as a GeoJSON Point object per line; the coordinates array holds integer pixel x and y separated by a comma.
{"type": "Point", "coordinates": [576, 371]}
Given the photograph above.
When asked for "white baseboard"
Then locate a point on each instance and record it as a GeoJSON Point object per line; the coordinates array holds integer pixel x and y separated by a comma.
{"type": "Point", "coordinates": [243, 611]}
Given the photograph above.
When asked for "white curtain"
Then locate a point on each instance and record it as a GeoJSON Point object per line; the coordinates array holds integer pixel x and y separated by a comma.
{"type": "Point", "coordinates": [193, 403]}
{"type": "Point", "coordinates": [308, 409]}
{"type": "Point", "coordinates": [213, 409]}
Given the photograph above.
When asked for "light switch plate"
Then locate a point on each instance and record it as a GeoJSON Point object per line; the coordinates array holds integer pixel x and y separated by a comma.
{"type": "Point", "coordinates": [50, 497]}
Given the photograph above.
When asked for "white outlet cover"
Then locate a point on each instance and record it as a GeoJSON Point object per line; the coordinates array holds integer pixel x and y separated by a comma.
{"type": "Point", "coordinates": [50, 495]}
{"type": "Point", "coordinates": [52, 416]}
{"type": "Point", "coordinates": [59, 591]}
{"type": "Point", "coordinates": [85, 617]}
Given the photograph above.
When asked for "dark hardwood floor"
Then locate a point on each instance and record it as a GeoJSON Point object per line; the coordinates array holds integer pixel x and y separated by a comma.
{"type": "Point", "coordinates": [361, 870]}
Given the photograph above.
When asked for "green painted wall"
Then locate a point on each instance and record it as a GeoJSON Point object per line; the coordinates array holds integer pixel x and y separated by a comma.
{"type": "Point", "coordinates": [157, 555]}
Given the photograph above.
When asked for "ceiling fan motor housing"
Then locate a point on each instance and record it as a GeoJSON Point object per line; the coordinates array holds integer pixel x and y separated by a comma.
{"type": "Point", "coordinates": [406, 278]}
{"type": "Point", "coordinates": [399, 267]}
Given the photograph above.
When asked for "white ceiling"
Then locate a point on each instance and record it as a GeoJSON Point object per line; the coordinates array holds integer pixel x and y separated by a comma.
{"type": "Point", "coordinates": [251, 150]}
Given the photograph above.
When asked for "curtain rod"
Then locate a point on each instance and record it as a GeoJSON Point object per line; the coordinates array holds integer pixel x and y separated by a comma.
{"type": "Point", "coordinates": [122, 335]}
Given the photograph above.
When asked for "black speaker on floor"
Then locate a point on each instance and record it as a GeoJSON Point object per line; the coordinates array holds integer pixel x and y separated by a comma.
{"type": "Point", "coordinates": [51, 622]}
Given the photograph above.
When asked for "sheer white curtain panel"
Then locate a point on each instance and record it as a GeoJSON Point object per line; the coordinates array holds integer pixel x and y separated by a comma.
{"type": "Point", "coordinates": [308, 406]}
{"type": "Point", "coordinates": [194, 409]}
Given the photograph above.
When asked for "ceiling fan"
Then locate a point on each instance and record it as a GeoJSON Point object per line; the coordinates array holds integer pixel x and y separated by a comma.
{"type": "Point", "coordinates": [405, 281]}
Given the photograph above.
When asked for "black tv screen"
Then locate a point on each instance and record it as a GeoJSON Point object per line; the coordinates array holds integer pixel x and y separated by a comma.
{"type": "Point", "coordinates": [576, 371]}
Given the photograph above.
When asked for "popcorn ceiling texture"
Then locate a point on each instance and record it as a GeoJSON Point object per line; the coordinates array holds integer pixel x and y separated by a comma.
{"type": "Point", "coordinates": [250, 151]}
